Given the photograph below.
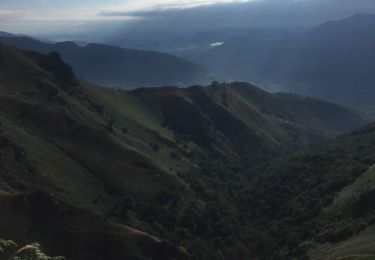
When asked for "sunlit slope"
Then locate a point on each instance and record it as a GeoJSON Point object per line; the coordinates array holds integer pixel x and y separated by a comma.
{"type": "Point", "coordinates": [356, 201]}
{"type": "Point", "coordinates": [70, 142]}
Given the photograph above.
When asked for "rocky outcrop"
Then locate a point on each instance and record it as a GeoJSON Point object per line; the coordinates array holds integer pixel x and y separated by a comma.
{"type": "Point", "coordinates": [9, 250]}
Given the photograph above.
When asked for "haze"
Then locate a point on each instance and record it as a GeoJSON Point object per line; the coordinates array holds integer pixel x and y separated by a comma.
{"type": "Point", "coordinates": [50, 17]}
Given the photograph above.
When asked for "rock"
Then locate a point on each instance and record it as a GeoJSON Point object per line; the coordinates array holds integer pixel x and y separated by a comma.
{"type": "Point", "coordinates": [7, 247]}
{"type": "Point", "coordinates": [33, 252]}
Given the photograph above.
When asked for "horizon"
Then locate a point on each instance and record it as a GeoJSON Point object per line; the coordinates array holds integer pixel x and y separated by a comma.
{"type": "Point", "coordinates": [52, 19]}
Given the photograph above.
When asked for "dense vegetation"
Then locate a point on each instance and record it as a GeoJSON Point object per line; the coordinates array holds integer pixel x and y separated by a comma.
{"type": "Point", "coordinates": [168, 173]}
{"type": "Point", "coordinates": [285, 209]}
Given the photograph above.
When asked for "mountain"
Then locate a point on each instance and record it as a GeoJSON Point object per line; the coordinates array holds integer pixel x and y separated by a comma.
{"type": "Point", "coordinates": [62, 170]}
{"type": "Point", "coordinates": [333, 61]}
{"type": "Point", "coordinates": [228, 54]}
{"type": "Point", "coordinates": [117, 67]}
{"type": "Point", "coordinates": [241, 54]}
{"type": "Point", "coordinates": [5, 34]}
{"type": "Point", "coordinates": [153, 173]}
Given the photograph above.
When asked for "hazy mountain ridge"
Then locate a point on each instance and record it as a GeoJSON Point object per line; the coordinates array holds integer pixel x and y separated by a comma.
{"type": "Point", "coordinates": [238, 57]}
{"type": "Point", "coordinates": [333, 61]}
{"type": "Point", "coordinates": [114, 66]}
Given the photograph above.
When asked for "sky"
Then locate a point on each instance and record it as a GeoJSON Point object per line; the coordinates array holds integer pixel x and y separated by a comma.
{"type": "Point", "coordinates": [78, 16]}
{"type": "Point", "coordinates": [40, 17]}
{"type": "Point", "coordinates": [58, 10]}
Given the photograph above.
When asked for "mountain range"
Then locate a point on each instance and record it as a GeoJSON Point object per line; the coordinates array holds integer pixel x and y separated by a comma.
{"type": "Point", "coordinates": [114, 66]}
{"type": "Point", "coordinates": [333, 61]}
{"type": "Point", "coordinates": [162, 173]}
{"type": "Point", "coordinates": [228, 54]}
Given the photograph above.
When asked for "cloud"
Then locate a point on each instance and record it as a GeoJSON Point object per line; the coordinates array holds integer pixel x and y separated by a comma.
{"type": "Point", "coordinates": [147, 8]}
{"type": "Point", "coordinates": [7, 14]}
{"type": "Point", "coordinates": [216, 44]}
{"type": "Point", "coordinates": [241, 14]}
{"type": "Point", "coordinates": [182, 16]}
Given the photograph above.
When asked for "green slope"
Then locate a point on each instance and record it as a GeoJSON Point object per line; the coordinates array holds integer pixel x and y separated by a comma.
{"type": "Point", "coordinates": [130, 170]}
{"type": "Point", "coordinates": [318, 203]}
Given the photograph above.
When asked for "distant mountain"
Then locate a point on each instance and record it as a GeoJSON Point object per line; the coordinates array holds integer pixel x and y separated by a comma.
{"type": "Point", "coordinates": [117, 67]}
{"type": "Point", "coordinates": [239, 56]}
{"type": "Point", "coordinates": [153, 173]}
{"type": "Point", "coordinates": [334, 61]}
{"type": "Point", "coordinates": [5, 34]}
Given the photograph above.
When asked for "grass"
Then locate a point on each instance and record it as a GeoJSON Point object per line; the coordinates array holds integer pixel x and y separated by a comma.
{"type": "Point", "coordinates": [350, 194]}
{"type": "Point", "coordinates": [360, 247]}
{"type": "Point", "coordinates": [128, 110]}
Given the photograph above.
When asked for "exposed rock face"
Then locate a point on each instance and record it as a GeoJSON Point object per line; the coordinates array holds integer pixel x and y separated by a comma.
{"type": "Point", "coordinates": [8, 250]}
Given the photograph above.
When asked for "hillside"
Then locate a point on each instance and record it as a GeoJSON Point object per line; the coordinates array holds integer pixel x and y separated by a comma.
{"type": "Point", "coordinates": [113, 66]}
{"type": "Point", "coordinates": [318, 203]}
{"type": "Point", "coordinates": [152, 173]}
{"type": "Point", "coordinates": [55, 141]}
{"type": "Point", "coordinates": [333, 61]}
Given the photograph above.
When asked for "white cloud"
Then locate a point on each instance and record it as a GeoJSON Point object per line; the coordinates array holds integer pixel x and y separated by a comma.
{"type": "Point", "coordinates": [147, 5]}
{"type": "Point", "coordinates": [216, 44]}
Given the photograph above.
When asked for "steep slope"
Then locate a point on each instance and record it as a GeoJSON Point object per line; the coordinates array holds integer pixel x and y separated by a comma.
{"type": "Point", "coordinates": [112, 174]}
{"type": "Point", "coordinates": [78, 233]}
{"type": "Point", "coordinates": [333, 61]}
{"type": "Point", "coordinates": [319, 203]}
{"type": "Point", "coordinates": [113, 66]}
{"type": "Point", "coordinates": [54, 140]}
{"type": "Point", "coordinates": [231, 120]}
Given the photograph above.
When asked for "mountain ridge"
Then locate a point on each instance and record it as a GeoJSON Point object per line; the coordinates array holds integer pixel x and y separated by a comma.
{"type": "Point", "coordinates": [115, 66]}
{"type": "Point", "coordinates": [331, 61]}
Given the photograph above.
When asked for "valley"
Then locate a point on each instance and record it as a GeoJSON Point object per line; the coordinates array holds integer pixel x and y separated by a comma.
{"type": "Point", "coordinates": [204, 172]}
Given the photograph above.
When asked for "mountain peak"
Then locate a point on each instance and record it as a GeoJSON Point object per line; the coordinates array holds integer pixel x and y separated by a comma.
{"type": "Point", "coordinates": [53, 63]}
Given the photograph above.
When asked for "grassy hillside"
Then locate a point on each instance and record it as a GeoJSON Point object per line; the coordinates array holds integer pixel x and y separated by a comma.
{"type": "Point", "coordinates": [154, 173]}
{"type": "Point", "coordinates": [45, 116]}
{"type": "Point", "coordinates": [318, 203]}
